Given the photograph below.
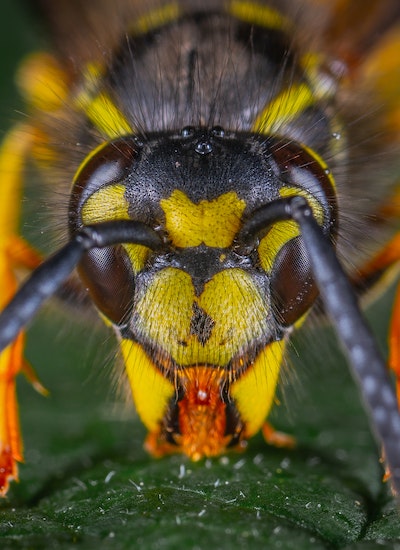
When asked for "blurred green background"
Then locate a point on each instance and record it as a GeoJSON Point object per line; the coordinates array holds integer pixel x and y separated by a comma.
{"type": "Point", "coordinates": [17, 37]}
{"type": "Point", "coordinates": [87, 482]}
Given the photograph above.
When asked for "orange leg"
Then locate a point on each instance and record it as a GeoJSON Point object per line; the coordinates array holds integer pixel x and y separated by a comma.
{"type": "Point", "coordinates": [14, 253]}
{"type": "Point", "coordinates": [17, 254]}
{"type": "Point", "coordinates": [389, 256]}
{"type": "Point", "coordinates": [44, 85]}
{"type": "Point", "coordinates": [394, 342]}
{"type": "Point", "coordinates": [383, 260]}
{"type": "Point", "coordinates": [277, 439]}
{"type": "Point", "coordinates": [10, 439]}
{"type": "Point", "coordinates": [22, 255]}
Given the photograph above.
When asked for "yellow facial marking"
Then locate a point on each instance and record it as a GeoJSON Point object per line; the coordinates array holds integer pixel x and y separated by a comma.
{"type": "Point", "coordinates": [156, 18]}
{"type": "Point", "coordinates": [231, 299]}
{"type": "Point", "coordinates": [286, 106]}
{"type": "Point", "coordinates": [138, 256]}
{"type": "Point", "coordinates": [151, 391]}
{"type": "Point", "coordinates": [275, 239]}
{"type": "Point", "coordinates": [254, 391]}
{"type": "Point", "coordinates": [109, 204]}
{"type": "Point", "coordinates": [106, 204]}
{"type": "Point", "coordinates": [214, 223]}
{"type": "Point", "coordinates": [166, 310]}
{"type": "Point", "coordinates": [282, 232]}
{"type": "Point", "coordinates": [234, 314]}
{"type": "Point", "coordinates": [258, 14]}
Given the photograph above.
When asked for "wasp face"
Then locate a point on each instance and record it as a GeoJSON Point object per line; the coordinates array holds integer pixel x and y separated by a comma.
{"type": "Point", "coordinates": [208, 312]}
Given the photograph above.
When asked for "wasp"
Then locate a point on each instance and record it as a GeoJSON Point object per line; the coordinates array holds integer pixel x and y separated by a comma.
{"type": "Point", "coordinates": [224, 162]}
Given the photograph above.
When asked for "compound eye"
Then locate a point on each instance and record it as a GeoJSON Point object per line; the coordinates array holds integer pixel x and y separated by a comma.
{"type": "Point", "coordinates": [109, 278]}
{"type": "Point", "coordinates": [285, 259]}
{"type": "Point", "coordinates": [98, 196]}
{"type": "Point", "coordinates": [293, 290]}
{"type": "Point", "coordinates": [281, 250]}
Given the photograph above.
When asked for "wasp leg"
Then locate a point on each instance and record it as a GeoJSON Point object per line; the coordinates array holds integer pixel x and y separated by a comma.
{"type": "Point", "coordinates": [394, 342]}
{"type": "Point", "coordinates": [370, 274]}
{"type": "Point", "coordinates": [157, 447]}
{"type": "Point", "coordinates": [15, 254]}
{"type": "Point", "coordinates": [277, 439]}
{"type": "Point", "coordinates": [22, 255]}
{"type": "Point", "coordinates": [10, 438]}
{"type": "Point", "coordinates": [43, 85]}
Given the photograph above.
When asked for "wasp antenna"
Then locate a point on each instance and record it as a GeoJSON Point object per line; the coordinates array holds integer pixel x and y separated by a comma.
{"type": "Point", "coordinates": [260, 220]}
{"type": "Point", "coordinates": [341, 304]}
{"type": "Point", "coordinates": [49, 276]}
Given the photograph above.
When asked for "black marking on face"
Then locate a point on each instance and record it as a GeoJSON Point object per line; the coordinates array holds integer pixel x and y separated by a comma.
{"type": "Point", "coordinates": [201, 324]}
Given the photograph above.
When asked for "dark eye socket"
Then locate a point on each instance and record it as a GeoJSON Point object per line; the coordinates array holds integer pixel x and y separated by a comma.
{"type": "Point", "coordinates": [293, 290]}
{"type": "Point", "coordinates": [109, 277]}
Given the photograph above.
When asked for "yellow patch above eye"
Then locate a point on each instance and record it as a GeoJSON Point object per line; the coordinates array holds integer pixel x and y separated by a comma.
{"type": "Point", "coordinates": [283, 232]}
{"type": "Point", "coordinates": [276, 238]}
{"type": "Point", "coordinates": [214, 223]}
{"type": "Point", "coordinates": [106, 204]}
{"type": "Point", "coordinates": [110, 204]}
